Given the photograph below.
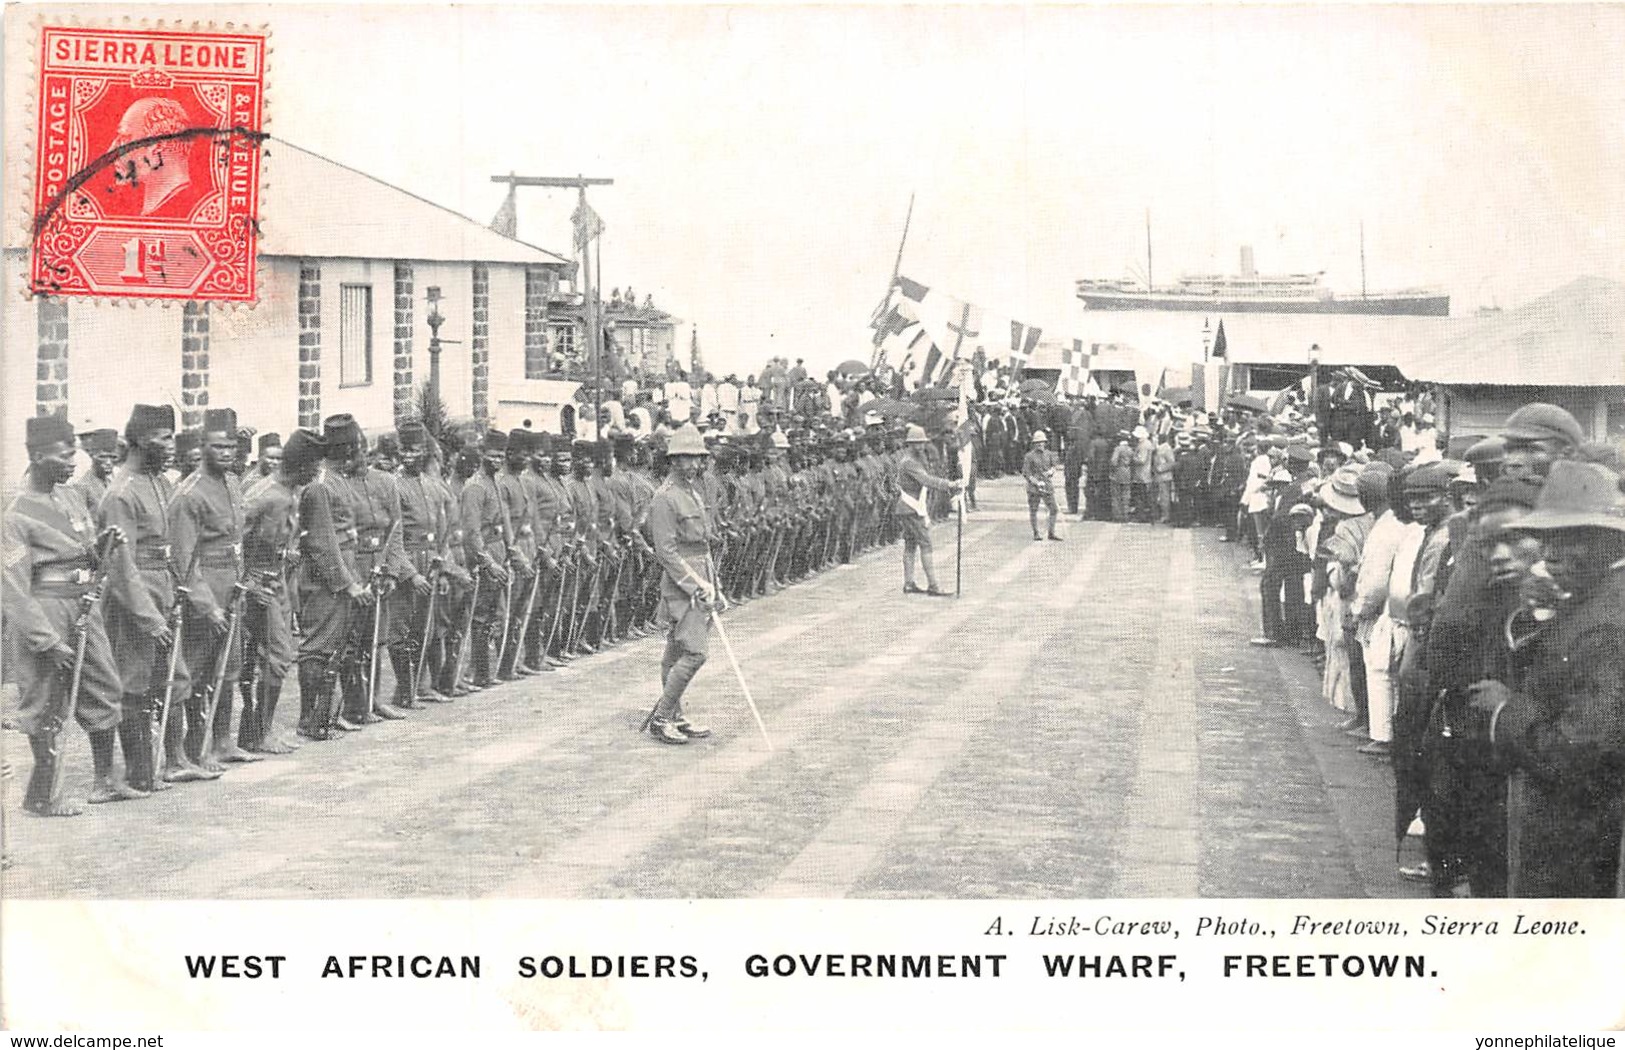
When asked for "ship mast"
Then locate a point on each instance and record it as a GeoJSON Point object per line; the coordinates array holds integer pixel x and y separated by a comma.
{"type": "Point", "coordinates": [1362, 258]}
{"type": "Point", "coordinates": [1150, 285]}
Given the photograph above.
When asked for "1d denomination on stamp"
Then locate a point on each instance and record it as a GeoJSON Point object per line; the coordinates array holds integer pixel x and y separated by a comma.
{"type": "Point", "coordinates": [147, 163]}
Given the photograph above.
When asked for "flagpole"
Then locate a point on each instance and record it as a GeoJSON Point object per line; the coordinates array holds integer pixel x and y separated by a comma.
{"type": "Point", "coordinates": [896, 271]}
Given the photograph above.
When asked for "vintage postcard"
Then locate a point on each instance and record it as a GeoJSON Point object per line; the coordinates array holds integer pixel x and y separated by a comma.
{"type": "Point", "coordinates": [530, 518]}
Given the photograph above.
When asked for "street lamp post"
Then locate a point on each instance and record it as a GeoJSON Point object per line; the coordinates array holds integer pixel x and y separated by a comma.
{"type": "Point", "coordinates": [1314, 383]}
{"type": "Point", "coordinates": [435, 319]}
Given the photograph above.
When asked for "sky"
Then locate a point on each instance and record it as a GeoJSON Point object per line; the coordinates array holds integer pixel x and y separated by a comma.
{"type": "Point", "coordinates": [764, 158]}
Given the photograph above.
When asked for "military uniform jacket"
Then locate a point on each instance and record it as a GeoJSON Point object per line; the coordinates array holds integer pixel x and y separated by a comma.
{"type": "Point", "coordinates": [913, 481]}
{"type": "Point", "coordinates": [423, 532]}
{"type": "Point", "coordinates": [270, 523]}
{"type": "Point", "coordinates": [486, 530]}
{"type": "Point", "coordinates": [376, 503]}
{"type": "Point", "coordinates": [681, 535]}
{"type": "Point", "coordinates": [91, 488]}
{"type": "Point", "coordinates": [544, 512]}
{"type": "Point", "coordinates": [327, 534]}
{"type": "Point", "coordinates": [604, 499]}
{"type": "Point", "coordinates": [516, 502]}
{"type": "Point", "coordinates": [564, 512]}
{"type": "Point", "coordinates": [1035, 467]}
{"type": "Point", "coordinates": [206, 521]}
{"type": "Point", "coordinates": [141, 579]}
{"type": "Point", "coordinates": [584, 505]}
{"type": "Point", "coordinates": [48, 545]}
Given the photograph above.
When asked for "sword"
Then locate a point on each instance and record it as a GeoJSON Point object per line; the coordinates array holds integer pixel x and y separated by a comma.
{"type": "Point", "coordinates": [428, 623]}
{"type": "Point", "coordinates": [222, 660]}
{"type": "Point", "coordinates": [463, 641]}
{"type": "Point", "coordinates": [378, 611]}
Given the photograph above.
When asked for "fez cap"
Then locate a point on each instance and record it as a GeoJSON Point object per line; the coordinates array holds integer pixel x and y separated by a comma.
{"type": "Point", "coordinates": [387, 445]}
{"type": "Point", "coordinates": [520, 440]}
{"type": "Point", "coordinates": [270, 440]}
{"type": "Point", "coordinates": [1539, 421]}
{"type": "Point", "coordinates": [340, 430]}
{"type": "Point", "coordinates": [100, 440]}
{"type": "Point", "coordinates": [186, 441]}
{"type": "Point", "coordinates": [144, 419]}
{"type": "Point", "coordinates": [496, 440]}
{"type": "Point", "coordinates": [220, 421]}
{"type": "Point", "coordinates": [40, 431]}
{"type": "Point", "coordinates": [412, 433]}
{"type": "Point", "coordinates": [304, 447]}
{"type": "Point", "coordinates": [1373, 484]}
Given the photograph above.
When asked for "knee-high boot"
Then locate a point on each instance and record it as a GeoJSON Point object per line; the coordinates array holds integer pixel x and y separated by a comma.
{"type": "Point", "coordinates": [265, 739]}
{"type": "Point", "coordinates": [481, 658]}
{"type": "Point", "coordinates": [135, 739]}
{"type": "Point", "coordinates": [315, 708]}
{"type": "Point", "coordinates": [405, 666]}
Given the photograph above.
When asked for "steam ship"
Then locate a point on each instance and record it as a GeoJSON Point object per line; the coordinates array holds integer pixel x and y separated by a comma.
{"type": "Point", "coordinates": [1252, 292]}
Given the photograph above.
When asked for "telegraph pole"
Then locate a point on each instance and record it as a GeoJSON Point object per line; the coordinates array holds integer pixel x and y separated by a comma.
{"type": "Point", "coordinates": [594, 322]}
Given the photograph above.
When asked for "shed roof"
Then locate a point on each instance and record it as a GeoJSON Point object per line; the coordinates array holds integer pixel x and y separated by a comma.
{"type": "Point", "coordinates": [313, 207]}
{"type": "Point", "coordinates": [1573, 336]}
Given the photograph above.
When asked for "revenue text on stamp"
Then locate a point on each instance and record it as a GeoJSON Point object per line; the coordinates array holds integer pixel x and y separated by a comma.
{"type": "Point", "coordinates": [147, 163]}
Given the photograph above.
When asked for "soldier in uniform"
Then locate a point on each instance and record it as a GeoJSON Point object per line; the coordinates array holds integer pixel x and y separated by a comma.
{"type": "Point", "coordinates": [380, 559]}
{"type": "Point", "coordinates": [206, 529]}
{"type": "Point", "coordinates": [141, 592]}
{"type": "Point", "coordinates": [680, 527]}
{"type": "Point", "coordinates": [546, 501]}
{"type": "Point", "coordinates": [584, 505]}
{"type": "Point", "coordinates": [51, 548]}
{"type": "Point", "coordinates": [425, 545]}
{"type": "Point", "coordinates": [522, 550]}
{"type": "Point", "coordinates": [912, 514]}
{"type": "Point", "coordinates": [271, 452]}
{"type": "Point", "coordinates": [457, 586]}
{"type": "Point", "coordinates": [271, 529]}
{"type": "Point", "coordinates": [331, 590]}
{"type": "Point", "coordinates": [1038, 467]}
{"type": "Point", "coordinates": [102, 448]}
{"type": "Point", "coordinates": [486, 535]}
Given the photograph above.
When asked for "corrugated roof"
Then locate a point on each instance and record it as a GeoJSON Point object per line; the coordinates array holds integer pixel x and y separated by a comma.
{"type": "Point", "coordinates": [1574, 336]}
{"type": "Point", "coordinates": [313, 207]}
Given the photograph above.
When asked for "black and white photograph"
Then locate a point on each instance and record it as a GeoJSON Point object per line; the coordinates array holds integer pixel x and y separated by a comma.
{"type": "Point", "coordinates": [772, 458]}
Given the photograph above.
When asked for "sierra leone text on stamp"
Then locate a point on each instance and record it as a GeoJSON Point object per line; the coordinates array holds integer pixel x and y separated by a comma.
{"type": "Point", "coordinates": [147, 163]}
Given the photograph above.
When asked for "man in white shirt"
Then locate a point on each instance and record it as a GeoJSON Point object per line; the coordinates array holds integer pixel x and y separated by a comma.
{"type": "Point", "coordinates": [680, 400]}
{"type": "Point", "coordinates": [1255, 500]}
{"type": "Point", "coordinates": [728, 396]}
{"type": "Point", "coordinates": [750, 403]}
{"type": "Point", "coordinates": [708, 399]}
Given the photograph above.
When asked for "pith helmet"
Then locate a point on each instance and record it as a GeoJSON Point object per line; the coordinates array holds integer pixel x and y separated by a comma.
{"type": "Point", "coordinates": [915, 435]}
{"type": "Point", "coordinates": [686, 441]}
{"type": "Point", "coordinates": [780, 440]}
{"type": "Point", "coordinates": [1040, 438]}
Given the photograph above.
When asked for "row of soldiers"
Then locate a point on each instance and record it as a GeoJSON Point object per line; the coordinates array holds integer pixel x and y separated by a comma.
{"type": "Point", "coordinates": [154, 597]}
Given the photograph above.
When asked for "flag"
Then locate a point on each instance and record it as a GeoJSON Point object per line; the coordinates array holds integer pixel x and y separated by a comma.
{"type": "Point", "coordinates": [1075, 361]}
{"type": "Point", "coordinates": [931, 370]}
{"type": "Point", "coordinates": [899, 309]}
{"type": "Point", "coordinates": [587, 223]}
{"type": "Point", "coordinates": [1220, 346]}
{"type": "Point", "coordinates": [506, 221]}
{"type": "Point", "coordinates": [911, 340]}
{"type": "Point", "coordinates": [964, 325]}
{"type": "Point", "coordinates": [1023, 341]}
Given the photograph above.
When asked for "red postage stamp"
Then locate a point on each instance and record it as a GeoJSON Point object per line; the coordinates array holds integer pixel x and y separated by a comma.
{"type": "Point", "coordinates": [147, 163]}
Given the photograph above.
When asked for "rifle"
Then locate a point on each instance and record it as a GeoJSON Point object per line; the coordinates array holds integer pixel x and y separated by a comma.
{"type": "Point", "coordinates": [428, 621]}
{"type": "Point", "coordinates": [579, 626]}
{"type": "Point", "coordinates": [610, 620]}
{"type": "Point", "coordinates": [507, 604]}
{"type": "Point", "coordinates": [565, 564]}
{"type": "Point", "coordinates": [88, 602]}
{"type": "Point", "coordinates": [177, 619]}
{"type": "Point", "coordinates": [377, 586]}
{"type": "Point", "coordinates": [222, 659]}
{"type": "Point", "coordinates": [466, 638]}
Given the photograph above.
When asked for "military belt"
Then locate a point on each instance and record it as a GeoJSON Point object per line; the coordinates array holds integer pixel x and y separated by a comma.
{"type": "Point", "coordinates": [61, 573]}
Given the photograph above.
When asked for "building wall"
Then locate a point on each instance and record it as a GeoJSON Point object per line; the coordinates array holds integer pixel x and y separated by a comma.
{"type": "Point", "coordinates": [1482, 409]}
{"type": "Point", "coordinates": [507, 324]}
{"type": "Point", "coordinates": [455, 281]}
{"type": "Point", "coordinates": [254, 354]}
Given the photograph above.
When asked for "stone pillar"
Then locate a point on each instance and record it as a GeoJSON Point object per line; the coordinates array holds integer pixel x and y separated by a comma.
{"type": "Point", "coordinates": [194, 363]}
{"type": "Point", "coordinates": [482, 341]}
{"type": "Point", "coordinates": [51, 355]}
{"type": "Point", "coordinates": [310, 344]}
{"type": "Point", "coordinates": [403, 341]}
{"type": "Point", "coordinates": [536, 289]}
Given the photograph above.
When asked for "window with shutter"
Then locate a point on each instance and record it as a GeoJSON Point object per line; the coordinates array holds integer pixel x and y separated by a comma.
{"type": "Point", "coordinates": [355, 335]}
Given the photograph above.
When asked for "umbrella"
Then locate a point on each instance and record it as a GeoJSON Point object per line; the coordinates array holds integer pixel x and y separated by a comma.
{"type": "Point", "coordinates": [936, 393]}
{"type": "Point", "coordinates": [852, 368]}
{"type": "Point", "coordinates": [1043, 395]}
{"type": "Point", "coordinates": [1248, 402]}
{"type": "Point", "coordinates": [1028, 385]}
{"type": "Point", "coordinates": [809, 384]}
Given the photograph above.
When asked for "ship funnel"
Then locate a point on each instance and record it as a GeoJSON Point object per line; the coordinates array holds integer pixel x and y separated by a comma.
{"type": "Point", "coordinates": [1247, 269]}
